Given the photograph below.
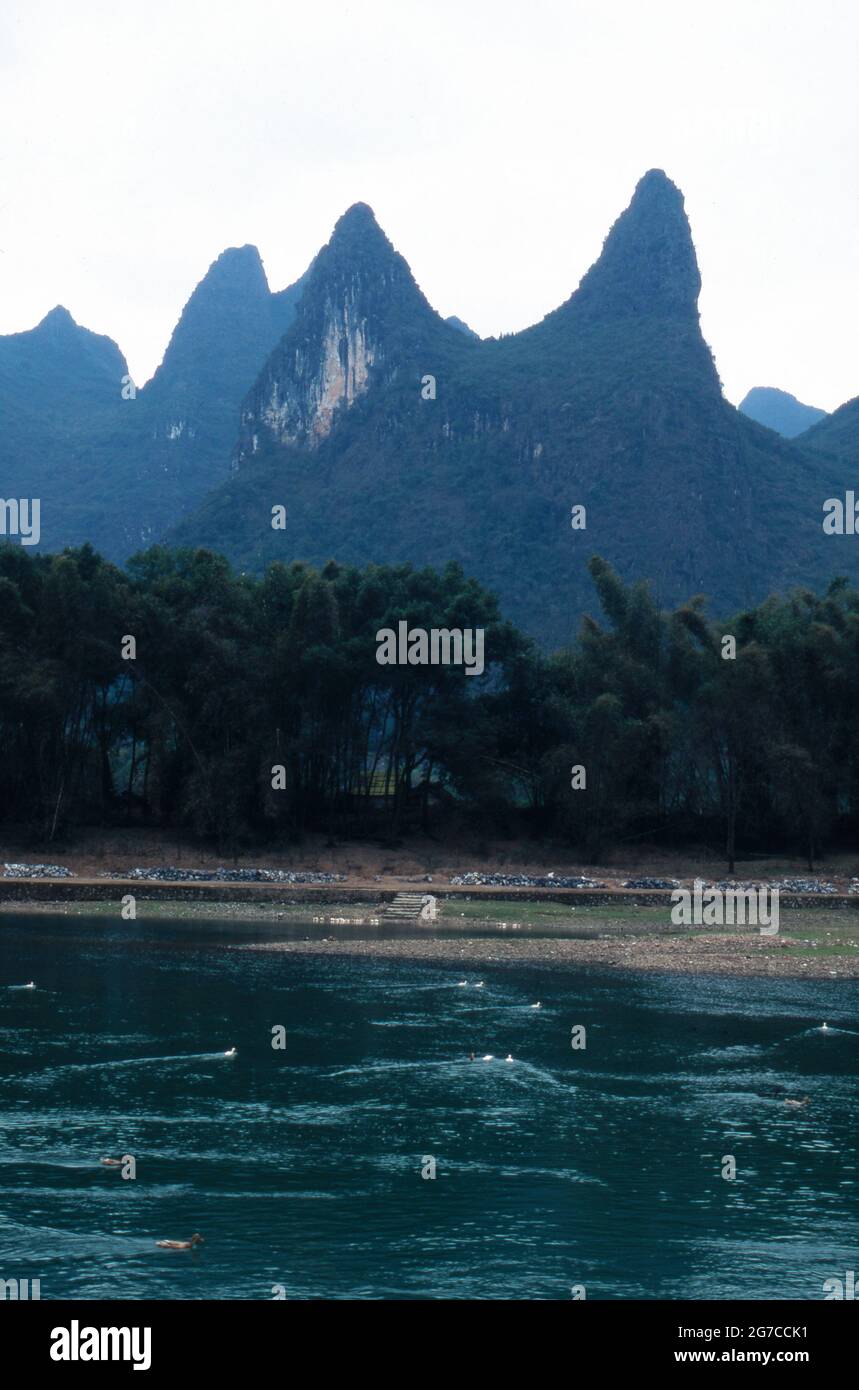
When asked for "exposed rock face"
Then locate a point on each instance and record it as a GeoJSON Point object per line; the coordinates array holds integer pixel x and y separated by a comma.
{"type": "Point", "coordinates": [612, 403]}
{"type": "Point", "coordinates": [303, 402]}
{"type": "Point", "coordinates": [358, 297]}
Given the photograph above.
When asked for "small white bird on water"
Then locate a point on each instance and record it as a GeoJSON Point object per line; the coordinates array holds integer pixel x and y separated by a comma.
{"type": "Point", "coordinates": [479, 985]}
{"type": "Point", "coordinates": [538, 1005]}
{"type": "Point", "coordinates": [231, 1052]}
{"type": "Point", "coordinates": [508, 1058]}
{"type": "Point", "coordinates": [824, 1027]}
{"type": "Point", "coordinates": [489, 1057]}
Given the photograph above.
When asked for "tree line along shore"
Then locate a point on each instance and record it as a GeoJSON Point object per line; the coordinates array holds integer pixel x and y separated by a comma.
{"type": "Point", "coordinates": [249, 712]}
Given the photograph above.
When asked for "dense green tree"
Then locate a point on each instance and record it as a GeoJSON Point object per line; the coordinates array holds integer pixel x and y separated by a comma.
{"type": "Point", "coordinates": [654, 726]}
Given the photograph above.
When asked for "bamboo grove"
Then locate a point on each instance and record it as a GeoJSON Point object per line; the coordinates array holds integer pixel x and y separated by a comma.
{"type": "Point", "coordinates": [683, 740]}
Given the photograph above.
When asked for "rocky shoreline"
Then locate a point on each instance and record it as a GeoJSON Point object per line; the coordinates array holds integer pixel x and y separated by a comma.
{"type": "Point", "coordinates": [480, 924]}
{"type": "Point", "coordinates": [744, 955]}
{"type": "Point", "coordinates": [169, 874]}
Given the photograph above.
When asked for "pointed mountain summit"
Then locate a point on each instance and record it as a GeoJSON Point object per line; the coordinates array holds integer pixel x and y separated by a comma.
{"type": "Point", "coordinates": [360, 263]}
{"type": "Point", "coordinates": [395, 437]}
{"type": "Point", "coordinates": [60, 386]}
{"type": "Point", "coordinates": [226, 329]}
{"type": "Point", "coordinates": [61, 366]}
{"type": "Point", "coordinates": [361, 313]}
{"type": "Point", "coordinates": [182, 427]}
{"type": "Point", "coordinates": [648, 265]}
{"type": "Point", "coordinates": [118, 466]}
{"type": "Point", "coordinates": [59, 333]}
{"type": "Point", "coordinates": [357, 231]}
{"type": "Point", "coordinates": [57, 320]}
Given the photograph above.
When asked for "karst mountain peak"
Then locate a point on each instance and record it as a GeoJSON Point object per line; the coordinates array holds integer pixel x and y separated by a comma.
{"type": "Point", "coordinates": [394, 435]}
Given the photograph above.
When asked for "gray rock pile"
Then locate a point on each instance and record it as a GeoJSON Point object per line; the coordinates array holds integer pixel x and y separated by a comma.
{"type": "Point", "coordinates": [803, 885]}
{"type": "Point", "coordinates": [784, 885]}
{"type": "Point", "coordinates": [173, 875]}
{"type": "Point", "coordinates": [476, 880]}
{"type": "Point", "coordinates": [651, 883]}
{"type": "Point", "coordinates": [36, 871]}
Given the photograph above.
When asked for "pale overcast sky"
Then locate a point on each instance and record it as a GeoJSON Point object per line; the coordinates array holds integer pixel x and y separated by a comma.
{"type": "Point", "coordinates": [496, 142]}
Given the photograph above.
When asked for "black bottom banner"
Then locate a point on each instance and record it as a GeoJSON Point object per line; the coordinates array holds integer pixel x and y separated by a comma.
{"type": "Point", "coordinates": [195, 1337]}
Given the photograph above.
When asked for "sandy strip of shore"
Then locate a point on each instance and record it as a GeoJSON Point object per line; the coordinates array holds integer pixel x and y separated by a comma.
{"type": "Point", "coordinates": [706, 955]}
{"type": "Point", "coordinates": [728, 954]}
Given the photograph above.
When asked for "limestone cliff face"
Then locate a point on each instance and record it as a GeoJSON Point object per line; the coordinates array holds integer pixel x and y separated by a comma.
{"type": "Point", "coordinates": [302, 401]}
{"type": "Point", "coordinates": [358, 300]}
{"type": "Point", "coordinates": [611, 403]}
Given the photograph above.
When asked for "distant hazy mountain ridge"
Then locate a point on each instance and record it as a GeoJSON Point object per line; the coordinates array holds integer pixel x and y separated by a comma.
{"type": "Point", "coordinates": [779, 411]}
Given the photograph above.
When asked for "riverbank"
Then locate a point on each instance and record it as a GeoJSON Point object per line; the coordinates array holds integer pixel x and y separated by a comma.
{"type": "Point", "coordinates": [713, 954]}
{"type": "Point", "coordinates": [479, 930]}
{"type": "Point", "coordinates": [90, 853]}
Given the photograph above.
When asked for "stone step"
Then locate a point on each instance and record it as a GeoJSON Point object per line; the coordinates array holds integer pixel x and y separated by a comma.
{"type": "Point", "coordinates": [406, 907]}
